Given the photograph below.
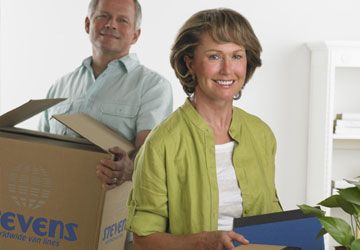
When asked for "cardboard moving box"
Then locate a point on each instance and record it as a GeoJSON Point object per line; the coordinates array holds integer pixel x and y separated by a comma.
{"type": "Point", "coordinates": [50, 197]}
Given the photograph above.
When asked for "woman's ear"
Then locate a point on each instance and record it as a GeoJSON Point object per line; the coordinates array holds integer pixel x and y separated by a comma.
{"type": "Point", "coordinates": [188, 61]}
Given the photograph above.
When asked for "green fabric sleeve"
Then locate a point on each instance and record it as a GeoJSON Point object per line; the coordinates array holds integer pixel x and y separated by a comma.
{"type": "Point", "coordinates": [148, 202]}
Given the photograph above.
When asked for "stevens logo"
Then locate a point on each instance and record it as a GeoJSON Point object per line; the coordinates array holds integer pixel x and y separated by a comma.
{"type": "Point", "coordinates": [40, 226]}
{"type": "Point", "coordinates": [114, 231]}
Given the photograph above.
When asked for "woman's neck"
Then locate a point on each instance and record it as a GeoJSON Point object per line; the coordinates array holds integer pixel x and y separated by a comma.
{"type": "Point", "coordinates": [218, 116]}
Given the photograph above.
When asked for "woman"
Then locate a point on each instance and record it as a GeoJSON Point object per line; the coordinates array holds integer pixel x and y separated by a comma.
{"type": "Point", "coordinates": [209, 162]}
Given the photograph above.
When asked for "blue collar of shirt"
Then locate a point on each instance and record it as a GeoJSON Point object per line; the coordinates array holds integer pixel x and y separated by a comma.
{"type": "Point", "coordinates": [128, 62]}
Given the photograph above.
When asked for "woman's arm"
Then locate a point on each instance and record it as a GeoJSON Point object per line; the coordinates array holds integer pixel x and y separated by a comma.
{"type": "Point", "coordinates": [217, 240]}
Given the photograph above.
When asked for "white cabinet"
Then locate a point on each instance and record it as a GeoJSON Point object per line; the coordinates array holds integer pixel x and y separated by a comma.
{"type": "Point", "coordinates": [334, 88]}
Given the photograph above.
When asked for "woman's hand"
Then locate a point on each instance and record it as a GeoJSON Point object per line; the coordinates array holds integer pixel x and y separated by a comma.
{"type": "Point", "coordinates": [216, 240]}
{"type": "Point", "coordinates": [220, 240]}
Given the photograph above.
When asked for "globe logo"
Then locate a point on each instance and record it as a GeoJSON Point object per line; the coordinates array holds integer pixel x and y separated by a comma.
{"type": "Point", "coordinates": [29, 186]}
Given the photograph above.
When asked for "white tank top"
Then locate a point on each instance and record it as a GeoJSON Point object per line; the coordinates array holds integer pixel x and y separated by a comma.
{"type": "Point", "coordinates": [230, 200]}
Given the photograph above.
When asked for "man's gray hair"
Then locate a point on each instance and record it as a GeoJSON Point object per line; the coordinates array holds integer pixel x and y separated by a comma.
{"type": "Point", "coordinates": [138, 14]}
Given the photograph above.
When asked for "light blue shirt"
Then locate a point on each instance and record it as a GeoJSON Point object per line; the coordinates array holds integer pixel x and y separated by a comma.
{"type": "Point", "coordinates": [126, 96]}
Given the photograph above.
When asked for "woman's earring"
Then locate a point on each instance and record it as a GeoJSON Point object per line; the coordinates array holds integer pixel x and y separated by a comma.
{"type": "Point", "coordinates": [238, 95]}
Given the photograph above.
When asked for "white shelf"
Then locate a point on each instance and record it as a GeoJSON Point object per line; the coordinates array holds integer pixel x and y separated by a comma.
{"type": "Point", "coordinates": [346, 137]}
{"type": "Point", "coordinates": [334, 88]}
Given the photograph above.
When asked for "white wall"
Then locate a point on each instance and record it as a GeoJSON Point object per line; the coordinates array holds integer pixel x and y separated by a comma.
{"type": "Point", "coordinates": [41, 40]}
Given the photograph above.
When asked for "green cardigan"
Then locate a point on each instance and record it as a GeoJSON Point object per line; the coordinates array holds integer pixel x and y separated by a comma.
{"type": "Point", "coordinates": [175, 183]}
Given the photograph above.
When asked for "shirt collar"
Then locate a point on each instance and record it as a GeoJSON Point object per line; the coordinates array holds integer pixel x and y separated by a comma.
{"type": "Point", "coordinates": [87, 63]}
{"type": "Point", "coordinates": [236, 124]}
{"type": "Point", "coordinates": [194, 116]}
{"type": "Point", "coordinates": [198, 121]}
{"type": "Point", "coordinates": [128, 62]}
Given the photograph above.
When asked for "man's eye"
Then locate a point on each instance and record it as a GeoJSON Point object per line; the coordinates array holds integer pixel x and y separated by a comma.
{"type": "Point", "coordinates": [122, 20]}
{"type": "Point", "coordinates": [102, 16]}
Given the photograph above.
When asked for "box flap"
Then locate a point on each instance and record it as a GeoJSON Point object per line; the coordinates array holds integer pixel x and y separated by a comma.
{"type": "Point", "coordinates": [94, 131]}
{"type": "Point", "coordinates": [46, 135]}
{"type": "Point", "coordinates": [26, 111]}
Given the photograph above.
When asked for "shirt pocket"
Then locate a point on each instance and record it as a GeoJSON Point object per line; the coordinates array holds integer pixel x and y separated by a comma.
{"type": "Point", "coordinates": [121, 118]}
{"type": "Point", "coordinates": [113, 109]}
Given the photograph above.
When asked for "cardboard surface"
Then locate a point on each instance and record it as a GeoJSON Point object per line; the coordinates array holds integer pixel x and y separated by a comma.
{"type": "Point", "coordinates": [26, 111]}
{"type": "Point", "coordinates": [115, 200]}
{"type": "Point", "coordinates": [50, 197]}
{"type": "Point", "coordinates": [259, 247]}
{"type": "Point", "coordinates": [86, 125]}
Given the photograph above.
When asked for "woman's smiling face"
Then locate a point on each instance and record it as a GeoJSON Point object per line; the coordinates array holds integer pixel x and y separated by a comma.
{"type": "Point", "coordinates": [219, 69]}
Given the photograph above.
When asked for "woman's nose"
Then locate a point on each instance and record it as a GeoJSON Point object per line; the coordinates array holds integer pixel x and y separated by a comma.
{"type": "Point", "coordinates": [226, 66]}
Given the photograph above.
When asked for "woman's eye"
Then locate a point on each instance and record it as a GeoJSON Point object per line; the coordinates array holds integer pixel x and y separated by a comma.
{"type": "Point", "coordinates": [237, 57]}
{"type": "Point", "coordinates": [214, 57]}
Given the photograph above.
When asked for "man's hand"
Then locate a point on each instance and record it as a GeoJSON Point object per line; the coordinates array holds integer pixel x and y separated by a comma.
{"type": "Point", "coordinates": [114, 172]}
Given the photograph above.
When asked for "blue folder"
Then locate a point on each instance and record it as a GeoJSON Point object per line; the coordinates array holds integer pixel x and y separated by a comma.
{"type": "Point", "coordinates": [289, 228]}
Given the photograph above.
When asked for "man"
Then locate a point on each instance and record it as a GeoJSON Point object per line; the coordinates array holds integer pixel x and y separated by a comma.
{"type": "Point", "coordinates": [112, 87]}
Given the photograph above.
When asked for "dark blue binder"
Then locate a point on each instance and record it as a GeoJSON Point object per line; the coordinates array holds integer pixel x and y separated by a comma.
{"type": "Point", "coordinates": [288, 228]}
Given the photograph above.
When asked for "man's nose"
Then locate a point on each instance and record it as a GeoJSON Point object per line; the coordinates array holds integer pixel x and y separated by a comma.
{"type": "Point", "coordinates": [110, 23]}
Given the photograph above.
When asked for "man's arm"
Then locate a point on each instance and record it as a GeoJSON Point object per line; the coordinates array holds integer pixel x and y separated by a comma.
{"type": "Point", "coordinates": [43, 125]}
{"type": "Point", "coordinates": [156, 104]}
{"type": "Point", "coordinates": [118, 170]}
{"type": "Point", "coordinates": [139, 141]}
